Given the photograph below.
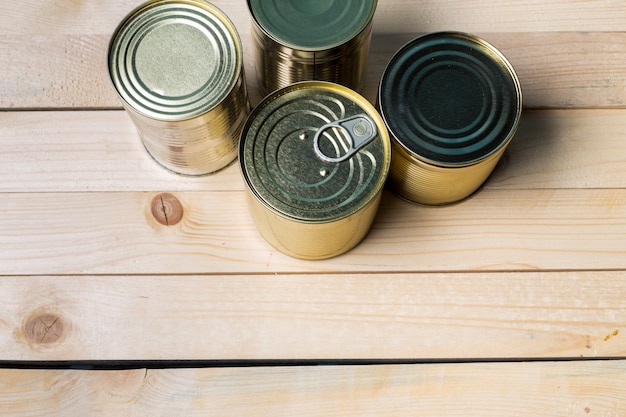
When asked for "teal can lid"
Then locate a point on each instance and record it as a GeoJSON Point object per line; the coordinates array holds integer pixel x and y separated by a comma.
{"type": "Point", "coordinates": [450, 98]}
{"type": "Point", "coordinates": [312, 25]}
{"type": "Point", "coordinates": [315, 152]}
{"type": "Point", "coordinates": [175, 59]}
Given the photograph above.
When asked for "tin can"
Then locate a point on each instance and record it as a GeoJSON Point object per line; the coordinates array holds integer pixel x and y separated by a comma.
{"type": "Point", "coordinates": [452, 103]}
{"type": "Point", "coordinates": [296, 40]}
{"type": "Point", "coordinates": [177, 66]}
{"type": "Point", "coordinates": [314, 157]}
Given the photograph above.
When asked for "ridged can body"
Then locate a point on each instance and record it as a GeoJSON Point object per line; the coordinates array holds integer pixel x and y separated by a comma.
{"type": "Point", "coordinates": [177, 66]}
{"type": "Point", "coordinates": [452, 103]}
{"type": "Point", "coordinates": [303, 40]}
{"type": "Point", "coordinates": [314, 157]}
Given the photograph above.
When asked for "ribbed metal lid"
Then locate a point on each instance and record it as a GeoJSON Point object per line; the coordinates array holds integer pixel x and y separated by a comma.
{"type": "Point", "coordinates": [174, 60]}
{"type": "Point", "coordinates": [285, 170]}
{"type": "Point", "coordinates": [450, 98]}
{"type": "Point", "coordinates": [312, 24]}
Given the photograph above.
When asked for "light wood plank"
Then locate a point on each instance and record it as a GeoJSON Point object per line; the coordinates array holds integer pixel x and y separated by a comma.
{"type": "Point", "coordinates": [52, 233]}
{"type": "Point", "coordinates": [565, 149]}
{"type": "Point", "coordinates": [502, 390]}
{"type": "Point", "coordinates": [53, 54]}
{"type": "Point", "coordinates": [404, 16]}
{"type": "Point", "coordinates": [398, 16]}
{"type": "Point", "coordinates": [333, 317]}
{"type": "Point", "coordinates": [86, 151]}
{"type": "Point", "coordinates": [101, 151]}
{"type": "Point", "coordinates": [555, 69]}
{"type": "Point", "coordinates": [562, 70]}
{"type": "Point", "coordinates": [66, 71]}
{"type": "Point", "coordinates": [99, 18]}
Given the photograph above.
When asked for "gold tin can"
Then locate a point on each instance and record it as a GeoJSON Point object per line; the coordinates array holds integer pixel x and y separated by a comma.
{"type": "Point", "coordinates": [303, 40]}
{"type": "Point", "coordinates": [452, 103]}
{"type": "Point", "coordinates": [177, 66]}
{"type": "Point", "coordinates": [314, 157]}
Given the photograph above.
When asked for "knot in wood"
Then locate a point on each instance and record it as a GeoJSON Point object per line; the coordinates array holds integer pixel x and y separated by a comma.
{"type": "Point", "coordinates": [44, 328]}
{"type": "Point", "coordinates": [167, 209]}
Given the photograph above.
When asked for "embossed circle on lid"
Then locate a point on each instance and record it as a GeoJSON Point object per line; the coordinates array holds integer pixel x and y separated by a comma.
{"type": "Point", "coordinates": [312, 24]}
{"type": "Point", "coordinates": [450, 98]}
{"type": "Point", "coordinates": [175, 60]}
{"type": "Point", "coordinates": [279, 160]}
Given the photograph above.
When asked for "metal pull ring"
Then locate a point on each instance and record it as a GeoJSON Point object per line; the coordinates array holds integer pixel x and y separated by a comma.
{"type": "Point", "coordinates": [359, 129]}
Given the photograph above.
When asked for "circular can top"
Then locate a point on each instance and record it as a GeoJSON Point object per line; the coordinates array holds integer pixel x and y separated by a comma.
{"type": "Point", "coordinates": [312, 25]}
{"type": "Point", "coordinates": [450, 98]}
{"type": "Point", "coordinates": [315, 152]}
{"type": "Point", "coordinates": [175, 59]}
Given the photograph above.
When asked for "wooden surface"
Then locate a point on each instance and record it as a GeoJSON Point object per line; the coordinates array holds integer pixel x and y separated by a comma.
{"type": "Point", "coordinates": [500, 305]}
{"type": "Point", "coordinates": [498, 390]}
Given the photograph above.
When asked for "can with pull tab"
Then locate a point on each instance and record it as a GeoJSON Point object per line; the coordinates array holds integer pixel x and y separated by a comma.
{"type": "Point", "coordinates": [314, 157]}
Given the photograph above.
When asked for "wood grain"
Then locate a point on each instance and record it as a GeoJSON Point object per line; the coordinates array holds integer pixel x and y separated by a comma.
{"type": "Point", "coordinates": [528, 270]}
{"type": "Point", "coordinates": [562, 70]}
{"type": "Point", "coordinates": [86, 151]}
{"type": "Point", "coordinates": [100, 151]}
{"type": "Point", "coordinates": [398, 16]}
{"type": "Point", "coordinates": [503, 390]}
{"type": "Point", "coordinates": [567, 53]}
{"type": "Point", "coordinates": [555, 69]}
{"type": "Point", "coordinates": [495, 230]}
{"type": "Point", "coordinates": [321, 316]}
{"type": "Point", "coordinates": [564, 149]}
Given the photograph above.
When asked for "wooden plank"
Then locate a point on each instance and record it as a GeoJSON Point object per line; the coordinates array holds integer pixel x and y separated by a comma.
{"type": "Point", "coordinates": [101, 151]}
{"type": "Point", "coordinates": [107, 233]}
{"type": "Point", "coordinates": [555, 69]}
{"type": "Point", "coordinates": [398, 16]}
{"type": "Point", "coordinates": [562, 70]}
{"type": "Point", "coordinates": [564, 149]}
{"type": "Point", "coordinates": [100, 18]}
{"type": "Point", "coordinates": [502, 390]}
{"type": "Point", "coordinates": [312, 317]}
{"type": "Point", "coordinates": [404, 16]}
{"type": "Point", "coordinates": [88, 151]}
{"type": "Point", "coordinates": [53, 54]}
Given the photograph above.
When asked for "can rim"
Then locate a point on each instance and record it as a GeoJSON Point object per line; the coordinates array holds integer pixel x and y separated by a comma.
{"type": "Point", "coordinates": [337, 88]}
{"type": "Point", "coordinates": [506, 138]}
{"type": "Point", "coordinates": [367, 22]}
{"type": "Point", "coordinates": [144, 111]}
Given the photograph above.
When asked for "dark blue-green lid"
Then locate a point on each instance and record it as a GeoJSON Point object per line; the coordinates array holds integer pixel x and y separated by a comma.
{"type": "Point", "coordinates": [450, 98]}
{"type": "Point", "coordinates": [312, 24]}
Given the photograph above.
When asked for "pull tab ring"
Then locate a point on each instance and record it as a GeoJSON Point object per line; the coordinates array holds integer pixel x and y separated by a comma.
{"type": "Point", "coordinates": [360, 130]}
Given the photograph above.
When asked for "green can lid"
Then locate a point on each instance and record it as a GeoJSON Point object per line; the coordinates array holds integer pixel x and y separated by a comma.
{"type": "Point", "coordinates": [298, 160]}
{"type": "Point", "coordinates": [312, 25]}
{"type": "Point", "coordinates": [450, 98]}
{"type": "Point", "coordinates": [175, 60]}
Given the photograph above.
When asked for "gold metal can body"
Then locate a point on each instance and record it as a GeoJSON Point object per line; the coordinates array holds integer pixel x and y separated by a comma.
{"type": "Point", "coordinates": [177, 66]}
{"type": "Point", "coordinates": [284, 56]}
{"type": "Point", "coordinates": [313, 189]}
{"type": "Point", "coordinates": [424, 183]}
{"type": "Point", "coordinates": [452, 103]}
{"type": "Point", "coordinates": [312, 241]}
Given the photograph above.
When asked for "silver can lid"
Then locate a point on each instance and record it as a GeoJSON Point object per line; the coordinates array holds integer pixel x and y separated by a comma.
{"type": "Point", "coordinates": [315, 152]}
{"type": "Point", "coordinates": [174, 60]}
